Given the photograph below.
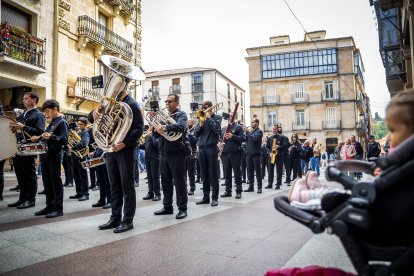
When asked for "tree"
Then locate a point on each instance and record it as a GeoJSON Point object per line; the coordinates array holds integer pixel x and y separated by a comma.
{"type": "Point", "coordinates": [380, 129]}
{"type": "Point", "coordinates": [377, 117]}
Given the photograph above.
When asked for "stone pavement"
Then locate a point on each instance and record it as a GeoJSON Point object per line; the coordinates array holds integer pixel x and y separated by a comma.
{"type": "Point", "coordinates": [238, 237]}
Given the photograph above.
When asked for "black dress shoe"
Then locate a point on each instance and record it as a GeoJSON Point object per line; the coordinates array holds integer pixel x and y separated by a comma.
{"type": "Point", "coordinates": [203, 201]}
{"type": "Point", "coordinates": [156, 198]}
{"type": "Point", "coordinates": [224, 184]}
{"type": "Point", "coordinates": [66, 184]}
{"type": "Point", "coordinates": [259, 191]}
{"type": "Point", "coordinates": [42, 212]}
{"type": "Point", "coordinates": [15, 204]}
{"type": "Point", "coordinates": [41, 192]}
{"type": "Point", "coordinates": [181, 215]}
{"type": "Point", "coordinates": [197, 181]}
{"type": "Point", "coordinates": [98, 204]}
{"type": "Point", "coordinates": [107, 206]}
{"type": "Point", "coordinates": [110, 224]}
{"type": "Point", "coordinates": [26, 204]}
{"type": "Point", "coordinates": [75, 196]}
{"type": "Point", "coordinates": [16, 189]}
{"type": "Point", "coordinates": [70, 184]}
{"type": "Point", "coordinates": [164, 211]}
{"type": "Point", "coordinates": [83, 198]}
{"type": "Point", "coordinates": [97, 188]}
{"type": "Point", "coordinates": [91, 187]}
{"type": "Point", "coordinates": [277, 187]}
{"type": "Point", "coordinates": [249, 190]}
{"type": "Point", "coordinates": [54, 213]}
{"type": "Point", "coordinates": [214, 203]}
{"type": "Point", "coordinates": [238, 196]}
{"type": "Point", "coordinates": [148, 197]}
{"type": "Point", "coordinates": [190, 192]}
{"type": "Point", "coordinates": [269, 187]}
{"type": "Point", "coordinates": [226, 194]}
{"type": "Point", "coordinates": [125, 226]}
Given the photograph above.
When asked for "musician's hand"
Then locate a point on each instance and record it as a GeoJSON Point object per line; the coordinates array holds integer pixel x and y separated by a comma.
{"type": "Point", "coordinates": [95, 114]}
{"type": "Point", "coordinates": [208, 115]}
{"type": "Point", "coordinates": [151, 113]}
{"type": "Point", "coordinates": [34, 138]}
{"type": "Point", "coordinates": [90, 154]}
{"type": "Point", "coordinates": [118, 147]}
{"type": "Point", "coordinates": [229, 135]}
{"type": "Point", "coordinates": [16, 126]}
{"type": "Point", "coordinates": [46, 135]}
{"type": "Point", "coordinates": [159, 129]}
{"type": "Point", "coordinates": [220, 145]}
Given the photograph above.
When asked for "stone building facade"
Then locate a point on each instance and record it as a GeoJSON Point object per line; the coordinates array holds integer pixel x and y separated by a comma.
{"type": "Point", "coordinates": [196, 85]}
{"type": "Point", "coordinates": [314, 88]}
{"type": "Point", "coordinates": [54, 48]}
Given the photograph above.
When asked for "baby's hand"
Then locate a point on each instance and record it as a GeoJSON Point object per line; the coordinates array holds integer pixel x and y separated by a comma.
{"type": "Point", "coordinates": [377, 171]}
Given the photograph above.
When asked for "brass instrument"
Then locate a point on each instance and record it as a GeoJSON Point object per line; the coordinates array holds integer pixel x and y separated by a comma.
{"type": "Point", "coordinates": [201, 114]}
{"type": "Point", "coordinates": [74, 138]}
{"type": "Point", "coordinates": [144, 136]}
{"type": "Point", "coordinates": [273, 154]}
{"type": "Point", "coordinates": [161, 117]}
{"type": "Point", "coordinates": [115, 118]}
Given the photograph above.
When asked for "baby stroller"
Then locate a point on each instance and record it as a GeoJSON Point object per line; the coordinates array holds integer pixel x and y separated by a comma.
{"type": "Point", "coordinates": [374, 220]}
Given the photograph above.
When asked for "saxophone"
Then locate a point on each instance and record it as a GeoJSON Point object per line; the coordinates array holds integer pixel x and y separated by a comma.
{"type": "Point", "coordinates": [273, 154]}
{"type": "Point", "coordinates": [74, 138]}
{"type": "Point", "coordinates": [115, 118]}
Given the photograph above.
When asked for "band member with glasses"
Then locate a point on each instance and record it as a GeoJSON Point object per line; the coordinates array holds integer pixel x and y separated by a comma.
{"type": "Point", "coordinates": [120, 166]}
{"type": "Point", "coordinates": [280, 144]}
{"type": "Point", "coordinates": [253, 153]}
{"type": "Point", "coordinates": [191, 160]}
{"type": "Point", "coordinates": [56, 137]}
{"type": "Point", "coordinates": [80, 174]}
{"type": "Point", "coordinates": [208, 134]}
{"type": "Point", "coordinates": [172, 160]}
{"type": "Point", "coordinates": [30, 123]}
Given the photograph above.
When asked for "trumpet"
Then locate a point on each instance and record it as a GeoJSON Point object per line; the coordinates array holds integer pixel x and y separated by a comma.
{"type": "Point", "coordinates": [201, 114]}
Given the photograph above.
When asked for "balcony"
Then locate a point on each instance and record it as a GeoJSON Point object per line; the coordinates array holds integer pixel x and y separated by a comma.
{"type": "Point", "coordinates": [271, 100]}
{"type": "Point", "coordinates": [154, 91]}
{"type": "Point", "coordinates": [330, 96]}
{"type": "Point", "coordinates": [331, 125]}
{"type": "Point", "coordinates": [91, 31]}
{"type": "Point", "coordinates": [298, 98]}
{"type": "Point", "coordinates": [22, 49]}
{"type": "Point", "coordinates": [197, 88]}
{"type": "Point", "coordinates": [300, 126]}
{"type": "Point", "coordinates": [362, 129]}
{"type": "Point", "coordinates": [358, 72]}
{"type": "Point", "coordinates": [88, 93]}
{"type": "Point", "coordinates": [125, 7]}
{"type": "Point", "coordinates": [175, 89]}
{"type": "Point", "coordinates": [361, 104]}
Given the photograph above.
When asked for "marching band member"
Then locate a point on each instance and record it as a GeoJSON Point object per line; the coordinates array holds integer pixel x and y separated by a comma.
{"type": "Point", "coordinates": [80, 174]}
{"type": "Point", "coordinates": [30, 123]}
{"type": "Point", "coordinates": [264, 159]}
{"type": "Point", "coordinates": [191, 160]}
{"type": "Point", "coordinates": [56, 137]}
{"type": "Point", "coordinates": [208, 134]}
{"type": "Point", "coordinates": [152, 160]}
{"type": "Point", "coordinates": [279, 142]}
{"type": "Point", "coordinates": [253, 153]}
{"type": "Point", "coordinates": [285, 153]}
{"type": "Point", "coordinates": [120, 166]}
{"type": "Point", "coordinates": [172, 160]}
{"type": "Point", "coordinates": [231, 157]}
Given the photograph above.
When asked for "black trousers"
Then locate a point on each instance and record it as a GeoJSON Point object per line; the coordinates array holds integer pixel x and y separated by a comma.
{"type": "Point", "coordinates": [67, 167]}
{"type": "Point", "coordinates": [153, 175]}
{"type": "Point", "coordinates": [279, 171]}
{"type": "Point", "coordinates": [208, 163]}
{"type": "Point", "coordinates": [264, 163]}
{"type": "Point", "coordinates": [190, 162]}
{"type": "Point", "coordinates": [198, 167]}
{"type": "Point", "coordinates": [51, 175]}
{"type": "Point", "coordinates": [173, 174]}
{"type": "Point", "coordinates": [81, 177]}
{"type": "Point", "coordinates": [120, 166]}
{"type": "Point", "coordinates": [231, 162]}
{"type": "Point", "coordinates": [286, 163]}
{"type": "Point", "coordinates": [253, 165]}
{"type": "Point", "coordinates": [92, 174]}
{"type": "Point", "coordinates": [295, 166]}
{"type": "Point", "coordinates": [25, 168]}
{"type": "Point", "coordinates": [2, 176]}
{"type": "Point", "coordinates": [104, 185]}
{"type": "Point", "coordinates": [243, 166]}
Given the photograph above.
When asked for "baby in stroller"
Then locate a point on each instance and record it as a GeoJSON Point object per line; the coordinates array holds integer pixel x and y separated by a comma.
{"type": "Point", "coordinates": [374, 220]}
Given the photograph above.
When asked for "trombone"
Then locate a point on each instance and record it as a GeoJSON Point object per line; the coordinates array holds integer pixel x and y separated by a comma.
{"type": "Point", "coordinates": [201, 114]}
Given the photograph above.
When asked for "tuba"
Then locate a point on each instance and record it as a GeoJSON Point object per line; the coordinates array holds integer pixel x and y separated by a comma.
{"type": "Point", "coordinates": [115, 118]}
{"type": "Point", "coordinates": [201, 114]}
{"type": "Point", "coordinates": [74, 138]}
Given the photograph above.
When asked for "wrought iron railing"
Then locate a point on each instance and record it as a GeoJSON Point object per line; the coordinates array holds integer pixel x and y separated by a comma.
{"type": "Point", "coordinates": [300, 126]}
{"type": "Point", "coordinates": [175, 89]}
{"type": "Point", "coordinates": [197, 87]}
{"type": "Point", "coordinates": [99, 34]}
{"type": "Point", "coordinates": [271, 100]}
{"type": "Point", "coordinates": [127, 5]}
{"type": "Point", "coordinates": [330, 96]}
{"type": "Point", "coordinates": [88, 92]}
{"type": "Point", "coordinates": [20, 45]}
{"type": "Point", "coordinates": [154, 91]}
{"type": "Point", "coordinates": [297, 98]}
{"type": "Point", "coordinates": [333, 124]}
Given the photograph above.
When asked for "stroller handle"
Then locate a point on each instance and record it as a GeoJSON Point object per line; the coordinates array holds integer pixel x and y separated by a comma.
{"type": "Point", "coordinates": [333, 173]}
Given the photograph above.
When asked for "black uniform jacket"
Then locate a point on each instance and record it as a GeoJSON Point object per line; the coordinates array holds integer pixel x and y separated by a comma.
{"type": "Point", "coordinates": [233, 145]}
{"type": "Point", "coordinates": [34, 122]}
{"type": "Point", "coordinates": [254, 142]}
{"type": "Point", "coordinates": [209, 134]}
{"type": "Point", "coordinates": [59, 138]}
{"type": "Point", "coordinates": [174, 147]}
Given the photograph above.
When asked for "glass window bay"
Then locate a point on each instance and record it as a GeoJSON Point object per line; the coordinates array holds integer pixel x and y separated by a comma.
{"type": "Point", "coordinates": [300, 64]}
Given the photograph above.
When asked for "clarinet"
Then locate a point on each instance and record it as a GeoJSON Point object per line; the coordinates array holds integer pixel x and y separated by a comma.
{"type": "Point", "coordinates": [233, 116]}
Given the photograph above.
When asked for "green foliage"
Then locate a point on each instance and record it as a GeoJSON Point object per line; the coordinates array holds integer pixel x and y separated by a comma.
{"type": "Point", "coordinates": [377, 117]}
{"type": "Point", "coordinates": [380, 129]}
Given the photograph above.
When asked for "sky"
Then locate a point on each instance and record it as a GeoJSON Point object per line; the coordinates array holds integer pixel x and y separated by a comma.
{"type": "Point", "coordinates": [216, 33]}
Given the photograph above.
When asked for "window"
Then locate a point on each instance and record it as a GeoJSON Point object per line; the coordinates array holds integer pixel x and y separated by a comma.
{"type": "Point", "coordinates": [241, 99]}
{"type": "Point", "coordinates": [329, 90]}
{"type": "Point", "coordinates": [228, 104]}
{"type": "Point", "coordinates": [154, 90]}
{"type": "Point", "coordinates": [103, 20]}
{"type": "Point", "coordinates": [198, 99]}
{"type": "Point", "coordinates": [235, 95]}
{"type": "Point", "coordinates": [270, 94]}
{"type": "Point", "coordinates": [15, 17]}
{"type": "Point", "coordinates": [299, 91]}
{"type": "Point", "coordinates": [228, 91]}
{"type": "Point", "coordinates": [271, 118]}
{"type": "Point", "coordinates": [300, 117]}
{"type": "Point", "coordinates": [197, 79]}
{"type": "Point", "coordinates": [101, 70]}
{"type": "Point", "coordinates": [299, 64]}
{"type": "Point", "coordinates": [331, 143]}
{"type": "Point", "coordinates": [330, 114]}
{"type": "Point", "coordinates": [176, 87]}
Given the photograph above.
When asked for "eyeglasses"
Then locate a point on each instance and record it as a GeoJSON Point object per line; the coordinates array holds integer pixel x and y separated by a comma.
{"type": "Point", "coordinates": [205, 107]}
{"type": "Point", "coordinates": [169, 101]}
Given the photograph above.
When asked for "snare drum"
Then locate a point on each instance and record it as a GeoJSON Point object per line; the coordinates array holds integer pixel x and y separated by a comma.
{"type": "Point", "coordinates": [7, 139]}
{"type": "Point", "coordinates": [31, 149]}
{"type": "Point", "coordinates": [93, 162]}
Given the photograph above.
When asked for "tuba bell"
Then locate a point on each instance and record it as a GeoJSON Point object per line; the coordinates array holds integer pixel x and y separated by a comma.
{"type": "Point", "coordinates": [115, 118]}
{"type": "Point", "coordinates": [74, 138]}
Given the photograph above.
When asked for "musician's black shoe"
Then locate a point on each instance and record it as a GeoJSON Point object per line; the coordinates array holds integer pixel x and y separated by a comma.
{"type": "Point", "coordinates": [156, 198]}
{"type": "Point", "coordinates": [125, 226]}
{"type": "Point", "coordinates": [164, 211]}
{"type": "Point", "coordinates": [148, 197]}
{"type": "Point", "coordinates": [42, 212]}
{"type": "Point", "coordinates": [91, 187]}
{"type": "Point", "coordinates": [26, 204]}
{"type": "Point", "coordinates": [197, 181]}
{"type": "Point", "coordinates": [107, 206]}
{"type": "Point", "coordinates": [250, 189]}
{"type": "Point", "coordinates": [226, 194]}
{"type": "Point", "coordinates": [277, 187]}
{"type": "Point", "coordinates": [190, 192]}
{"type": "Point", "coordinates": [16, 189]}
{"type": "Point", "coordinates": [97, 188]}
{"type": "Point", "coordinates": [259, 191]}
{"type": "Point", "coordinates": [70, 184]}
{"type": "Point", "coordinates": [84, 197]}
{"type": "Point", "coordinates": [54, 213]}
{"type": "Point", "coordinates": [203, 201]}
{"type": "Point", "coordinates": [181, 215]}
{"type": "Point", "coordinates": [269, 187]}
{"type": "Point", "coordinates": [75, 196]}
{"type": "Point", "coordinates": [15, 204]}
{"type": "Point", "coordinates": [67, 184]}
{"type": "Point", "coordinates": [214, 203]}
{"type": "Point", "coordinates": [238, 196]}
{"type": "Point", "coordinates": [41, 192]}
{"type": "Point", "coordinates": [98, 204]}
{"type": "Point", "coordinates": [110, 224]}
